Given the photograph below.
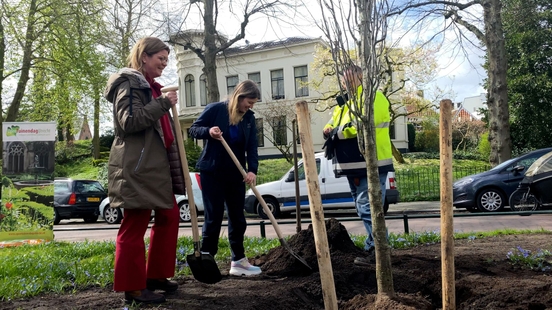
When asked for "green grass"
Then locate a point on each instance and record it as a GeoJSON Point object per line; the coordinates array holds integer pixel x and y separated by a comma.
{"type": "Point", "coordinates": [272, 170]}
{"type": "Point", "coordinates": [30, 270]}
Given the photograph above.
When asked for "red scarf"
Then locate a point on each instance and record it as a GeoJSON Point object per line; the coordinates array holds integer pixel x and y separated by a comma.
{"type": "Point", "coordinates": [165, 121]}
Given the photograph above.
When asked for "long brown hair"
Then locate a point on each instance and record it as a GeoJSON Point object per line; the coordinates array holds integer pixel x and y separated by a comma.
{"type": "Point", "coordinates": [245, 89]}
{"type": "Point", "coordinates": [148, 45]}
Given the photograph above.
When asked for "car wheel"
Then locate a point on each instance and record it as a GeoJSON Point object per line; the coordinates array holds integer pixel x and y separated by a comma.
{"type": "Point", "coordinates": [272, 205]}
{"type": "Point", "coordinates": [112, 215]}
{"type": "Point", "coordinates": [57, 219]}
{"type": "Point", "coordinates": [491, 200]}
{"type": "Point", "coordinates": [185, 213]}
{"type": "Point", "coordinates": [91, 219]}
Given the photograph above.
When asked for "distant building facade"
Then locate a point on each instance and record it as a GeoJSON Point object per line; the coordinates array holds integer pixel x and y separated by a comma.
{"type": "Point", "coordinates": [281, 69]}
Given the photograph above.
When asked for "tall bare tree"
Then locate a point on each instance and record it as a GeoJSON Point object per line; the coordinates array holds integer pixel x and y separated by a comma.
{"type": "Point", "coordinates": [363, 24]}
{"type": "Point", "coordinates": [491, 36]}
{"type": "Point", "coordinates": [214, 42]}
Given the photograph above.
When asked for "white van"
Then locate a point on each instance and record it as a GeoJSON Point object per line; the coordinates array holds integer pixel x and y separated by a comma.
{"type": "Point", "coordinates": [335, 192]}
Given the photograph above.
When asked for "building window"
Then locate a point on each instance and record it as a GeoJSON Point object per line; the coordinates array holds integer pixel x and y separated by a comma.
{"type": "Point", "coordinates": [203, 90]}
{"type": "Point", "coordinates": [277, 80]}
{"type": "Point", "coordinates": [16, 156]}
{"type": "Point", "coordinates": [231, 82]}
{"type": "Point", "coordinates": [189, 90]}
{"type": "Point", "coordinates": [392, 131]}
{"type": "Point", "coordinates": [260, 132]}
{"type": "Point", "coordinates": [301, 79]}
{"type": "Point", "coordinates": [279, 132]}
{"type": "Point", "coordinates": [256, 77]}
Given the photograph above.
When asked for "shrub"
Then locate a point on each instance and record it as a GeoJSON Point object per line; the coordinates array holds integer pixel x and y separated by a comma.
{"type": "Point", "coordinates": [193, 151]}
{"type": "Point", "coordinates": [79, 149]}
{"type": "Point", "coordinates": [102, 175]}
{"type": "Point", "coordinates": [484, 146]}
{"type": "Point", "coordinates": [106, 140]}
{"type": "Point", "coordinates": [428, 139]}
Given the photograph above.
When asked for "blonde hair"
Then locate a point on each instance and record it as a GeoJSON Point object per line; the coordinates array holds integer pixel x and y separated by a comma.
{"type": "Point", "coordinates": [245, 89]}
{"type": "Point", "coordinates": [148, 45]}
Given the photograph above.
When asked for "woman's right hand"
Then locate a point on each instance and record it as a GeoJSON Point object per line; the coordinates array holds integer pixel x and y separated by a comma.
{"type": "Point", "coordinates": [215, 133]}
{"type": "Point", "coordinates": [172, 96]}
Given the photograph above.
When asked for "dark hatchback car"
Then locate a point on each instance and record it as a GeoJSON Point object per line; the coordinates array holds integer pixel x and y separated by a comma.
{"type": "Point", "coordinates": [77, 199]}
{"type": "Point", "coordinates": [489, 191]}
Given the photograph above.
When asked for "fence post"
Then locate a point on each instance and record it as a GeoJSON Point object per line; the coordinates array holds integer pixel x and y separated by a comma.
{"type": "Point", "coordinates": [263, 230]}
{"type": "Point", "coordinates": [405, 221]}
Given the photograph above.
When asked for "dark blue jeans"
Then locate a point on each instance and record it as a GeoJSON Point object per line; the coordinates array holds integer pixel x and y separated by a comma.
{"type": "Point", "coordinates": [359, 191]}
{"type": "Point", "coordinates": [220, 189]}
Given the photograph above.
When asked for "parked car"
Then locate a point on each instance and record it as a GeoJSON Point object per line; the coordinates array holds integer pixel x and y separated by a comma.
{"type": "Point", "coordinates": [115, 215]}
{"type": "Point", "coordinates": [336, 193]}
{"type": "Point", "coordinates": [489, 191]}
{"type": "Point", "coordinates": [77, 199]}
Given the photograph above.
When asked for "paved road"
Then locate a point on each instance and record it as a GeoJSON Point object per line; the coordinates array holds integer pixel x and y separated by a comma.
{"type": "Point", "coordinates": [464, 222]}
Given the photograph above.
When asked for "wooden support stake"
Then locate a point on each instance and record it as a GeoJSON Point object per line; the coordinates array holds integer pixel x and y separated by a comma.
{"type": "Point", "coordinates": [317, 213]}
{"type": "Point", "coordinates": [447, 231]}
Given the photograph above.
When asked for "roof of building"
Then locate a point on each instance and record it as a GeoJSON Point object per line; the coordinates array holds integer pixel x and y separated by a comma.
{"type": "Point", "coordinates": [268, 45]}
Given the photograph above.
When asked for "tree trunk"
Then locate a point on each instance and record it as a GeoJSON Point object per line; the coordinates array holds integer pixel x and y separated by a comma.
{"type": "Point", "coordinates": [96, 136]}
{"type": "Point", "coordinates": [210, 68]}
{"type": "Point", "coordinates": [2, 55]}
{"type": "Point", "coordinates": [369, 60]}
{"type": "Point", "coordinates": [497, 97]}
{"type": "Point", "coordinates": [13, 109]}
{"type": "Point", "coordinates": [397, 155]}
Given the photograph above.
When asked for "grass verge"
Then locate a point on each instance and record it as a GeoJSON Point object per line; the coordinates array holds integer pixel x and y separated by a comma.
{"type": "Point", "coordinates": [30, 270]}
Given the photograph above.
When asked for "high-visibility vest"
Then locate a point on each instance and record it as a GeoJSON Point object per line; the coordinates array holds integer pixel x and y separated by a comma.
{"type": "Point", "coordinates": [348, 159]}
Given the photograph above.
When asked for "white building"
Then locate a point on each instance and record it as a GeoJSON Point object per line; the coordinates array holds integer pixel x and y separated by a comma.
{"type": "Point", "coordinates": [474, 103]}
{"type": "Point", "coordinates": [281, 69]}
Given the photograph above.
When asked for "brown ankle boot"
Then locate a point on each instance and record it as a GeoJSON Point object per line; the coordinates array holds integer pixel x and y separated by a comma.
{"type": "Point", "coordinates": [161, 284]}
{"type": "Point", "coordinates": [144, 296]}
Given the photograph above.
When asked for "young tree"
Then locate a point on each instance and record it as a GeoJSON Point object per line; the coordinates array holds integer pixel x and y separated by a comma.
{"type": "Point", "coordinates": [363, 24]}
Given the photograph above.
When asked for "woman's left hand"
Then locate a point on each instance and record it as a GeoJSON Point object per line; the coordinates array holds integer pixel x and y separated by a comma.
{"type": "Point", "coordinates": [250, 178]}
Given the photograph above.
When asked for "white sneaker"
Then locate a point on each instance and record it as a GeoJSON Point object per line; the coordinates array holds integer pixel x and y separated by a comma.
{"type": "Point", "coordinates": [243, 268]}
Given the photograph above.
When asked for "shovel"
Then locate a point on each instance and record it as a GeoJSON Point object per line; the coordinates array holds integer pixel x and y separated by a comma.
{"type": "Point", "coordinates": [265, 207]}
{"type": "Point", "coordinates": [203, 265]}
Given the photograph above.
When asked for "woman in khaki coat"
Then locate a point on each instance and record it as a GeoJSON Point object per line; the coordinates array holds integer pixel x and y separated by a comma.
{"type": "Point", "coordinates": [144, 174]}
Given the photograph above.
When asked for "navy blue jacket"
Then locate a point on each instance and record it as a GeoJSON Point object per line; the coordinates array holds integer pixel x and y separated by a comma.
{"type": "Point", "coordinates": [214, 156]}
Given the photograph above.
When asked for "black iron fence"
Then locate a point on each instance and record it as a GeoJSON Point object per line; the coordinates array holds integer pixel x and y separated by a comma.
{"type": "Point", "coordinates": [419, 184]}
{"type": "Point", "coordinates": [423, 184]}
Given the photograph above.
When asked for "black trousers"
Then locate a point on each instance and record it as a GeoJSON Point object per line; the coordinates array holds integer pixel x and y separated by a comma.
{"type": "Point", "coordinates": [220, 189]}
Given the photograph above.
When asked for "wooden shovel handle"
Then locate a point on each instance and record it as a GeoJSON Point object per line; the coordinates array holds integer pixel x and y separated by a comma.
{"type": "Point", "coordinates": [257, 194]}
{"type": "Point", "coordinates": [187, 179]}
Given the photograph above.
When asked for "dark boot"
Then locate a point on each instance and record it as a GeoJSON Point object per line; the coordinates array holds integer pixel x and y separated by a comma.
{"type": "Point", "coordinates": [144, 296]}
{"type": "Point", "coordinates": [161, 284]}
{"type": "Point", "coordinates": [367, 260]}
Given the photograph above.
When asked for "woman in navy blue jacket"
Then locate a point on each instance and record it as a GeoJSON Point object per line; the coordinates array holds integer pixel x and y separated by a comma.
{"type": "Point", "coordinates": [221, 180]}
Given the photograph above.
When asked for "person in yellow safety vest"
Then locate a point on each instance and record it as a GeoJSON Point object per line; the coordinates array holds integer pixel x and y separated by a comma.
{"type": "Point", "coordinates": [348, 160]}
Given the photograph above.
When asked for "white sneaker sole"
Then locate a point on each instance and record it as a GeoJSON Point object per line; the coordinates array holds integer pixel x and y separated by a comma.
{"type": "Point", "coordinates": [243, 273]}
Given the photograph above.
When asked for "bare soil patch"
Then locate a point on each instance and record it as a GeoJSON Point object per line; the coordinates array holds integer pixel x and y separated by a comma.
{"type": "Point", "coordinates": [485, 279]}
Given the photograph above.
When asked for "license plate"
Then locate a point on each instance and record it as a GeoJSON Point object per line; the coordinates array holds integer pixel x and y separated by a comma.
{"type": "Point", "coordinates": [93, 199]}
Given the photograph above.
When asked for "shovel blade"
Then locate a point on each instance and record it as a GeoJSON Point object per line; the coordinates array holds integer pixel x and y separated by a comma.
{"type": "Point", "coordinates": [204, 268]}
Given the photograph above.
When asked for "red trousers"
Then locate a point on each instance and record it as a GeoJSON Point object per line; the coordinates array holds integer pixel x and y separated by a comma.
{"type": "Point", "coordinates": [131, 267]}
